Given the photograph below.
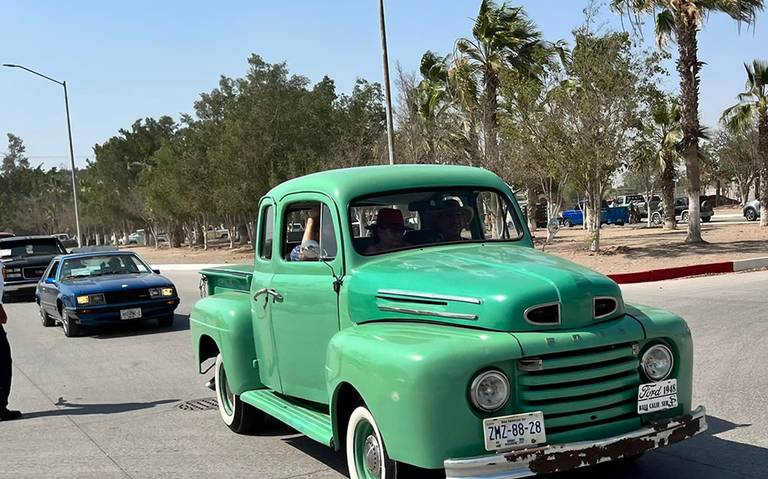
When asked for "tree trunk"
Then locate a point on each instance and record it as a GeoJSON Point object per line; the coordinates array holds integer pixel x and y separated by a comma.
{"type": "Point", "coordinates": [490, 121]}
{"type": "Point", "coordinates": [688, 66]}
{"type": "Point", "coordinates": [668, 193]}
{"type": "Point", "coordinates": [763, 149]}
{"type": "Point", "coordinates": [530, 193]}
{"type": "Point", "coordinates": [593, 217]}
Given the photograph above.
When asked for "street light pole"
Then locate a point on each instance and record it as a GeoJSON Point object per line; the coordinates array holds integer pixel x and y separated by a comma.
{"type": "Point", "coordinates": [71, 149]}
{"type": "Point", "coordinates": [387, 94]}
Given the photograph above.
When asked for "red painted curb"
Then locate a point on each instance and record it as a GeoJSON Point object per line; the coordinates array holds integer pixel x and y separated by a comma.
{"type": "Point", "coordinates": [672, 273]}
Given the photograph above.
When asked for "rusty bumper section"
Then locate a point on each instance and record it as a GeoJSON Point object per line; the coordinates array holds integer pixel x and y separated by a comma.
{"type": "Point", "coordinates": [563, 457]}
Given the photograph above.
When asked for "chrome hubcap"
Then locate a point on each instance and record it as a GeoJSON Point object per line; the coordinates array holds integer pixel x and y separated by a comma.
{"type": "Point", "coordinates": [372, 456]}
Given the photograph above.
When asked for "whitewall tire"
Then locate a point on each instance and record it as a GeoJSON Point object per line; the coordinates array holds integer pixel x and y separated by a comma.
{"type": "Point", "coordinates": [366, 453]}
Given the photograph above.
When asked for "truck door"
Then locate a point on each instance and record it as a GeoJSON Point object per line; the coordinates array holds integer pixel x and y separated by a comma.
{"type": "Point", "coordinates": [304, 304]}
{"type": "Point", "coordinates": [261, 313]}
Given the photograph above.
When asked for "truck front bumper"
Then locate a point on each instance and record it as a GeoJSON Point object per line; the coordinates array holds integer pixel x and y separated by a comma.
{"type": "Point", "coordinates": [564, 457]}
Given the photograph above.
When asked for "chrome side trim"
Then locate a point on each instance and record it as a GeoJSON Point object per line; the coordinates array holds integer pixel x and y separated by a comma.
{"type": "Point", "coordinates": [553, 303]}
{"type": "Point", "coordinates": [594, 306]}
{"type": "Point", "coordinates": [423, 312]}
{"type": "Point", "coordinates": [430, 296]}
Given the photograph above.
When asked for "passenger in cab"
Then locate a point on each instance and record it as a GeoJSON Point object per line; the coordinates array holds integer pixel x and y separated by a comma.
{"type": "Point", "coordinates": [387, 231]}
{"type": "Point", "coordinates": [449, 219]}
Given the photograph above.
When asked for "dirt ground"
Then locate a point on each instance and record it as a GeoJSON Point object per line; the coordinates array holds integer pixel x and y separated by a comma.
{"type": "Point", "coordinates": [623, 248]}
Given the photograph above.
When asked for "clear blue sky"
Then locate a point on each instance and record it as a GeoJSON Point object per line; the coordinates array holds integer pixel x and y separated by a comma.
{"type": "Point", "coordinates": [128, 60]}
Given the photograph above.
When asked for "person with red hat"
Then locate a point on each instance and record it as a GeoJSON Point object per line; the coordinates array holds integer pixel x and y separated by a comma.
{"type": "Point", "coordinates": [387, 231]}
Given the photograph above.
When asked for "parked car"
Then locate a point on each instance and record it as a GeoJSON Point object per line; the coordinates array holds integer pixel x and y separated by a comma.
{"type": "Point", "coordinates": [219, 232]}
{"type": "Point", "coordinates": [638, 201]}
{"type": "Point", "coordinates": [751, 210]}
{"type": "Point", "coordinates": [458, 346]}
{"type": "Point", "coordinates": [618, 215]}
{"type": "Point", "coordinates": [6, 234]}
{"type": "Point", "coordinates": [681, 211]}
{"type": "Point", "coordinates": [65, 240]}
{"type": "Point", "coordinates": [103, 287]}
{"type": "Point", "coordinates": [539, 212]}
{"type": "Point", "coordinates": [25, 259]}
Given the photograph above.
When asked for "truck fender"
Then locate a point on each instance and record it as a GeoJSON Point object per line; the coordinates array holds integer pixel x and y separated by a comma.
{"type": "Point", "coordinates": [222, 324]}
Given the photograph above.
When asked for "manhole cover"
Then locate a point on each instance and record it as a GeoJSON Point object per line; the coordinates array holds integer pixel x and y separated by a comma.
{"type": "Point", "coordinates": [199, 404]}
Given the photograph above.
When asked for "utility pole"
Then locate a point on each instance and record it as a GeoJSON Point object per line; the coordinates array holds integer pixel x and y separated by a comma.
{"type": "Point", "coordinates": [71, 149]}
{"type": "Point", "coordinates": [387, 94]}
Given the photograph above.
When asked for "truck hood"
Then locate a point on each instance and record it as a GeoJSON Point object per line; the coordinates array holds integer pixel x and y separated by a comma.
{"type": "Point", "coordinates": [481, 285]}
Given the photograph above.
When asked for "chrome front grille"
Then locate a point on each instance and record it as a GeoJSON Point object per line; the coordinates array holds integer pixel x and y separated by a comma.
{"type": "Point", "coordinates": [580, 389]}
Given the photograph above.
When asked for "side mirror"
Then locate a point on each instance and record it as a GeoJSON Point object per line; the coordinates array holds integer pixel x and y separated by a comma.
{"type": "Point", "coordinates": [156, 271]}
{"type": "Point", "coordinates": [49, 281]}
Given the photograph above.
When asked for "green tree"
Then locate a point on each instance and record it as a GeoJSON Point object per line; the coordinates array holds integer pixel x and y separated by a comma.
{"type": "Point", "coordinates": [753, 107]}
{"type": "Point", "coordinates": [667, 134]}
{"type": "Point", "coordinates": [681, 20]}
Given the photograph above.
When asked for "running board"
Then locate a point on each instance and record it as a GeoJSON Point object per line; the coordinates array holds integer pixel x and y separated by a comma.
{"type": "Point", "coordinates": [313, 424]}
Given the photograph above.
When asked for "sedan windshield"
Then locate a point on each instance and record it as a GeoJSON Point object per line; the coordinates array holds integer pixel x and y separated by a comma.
{"type": "Point", "coordinates": [416, 218]}
{"type": "Point", "coordinates": [92, 266]}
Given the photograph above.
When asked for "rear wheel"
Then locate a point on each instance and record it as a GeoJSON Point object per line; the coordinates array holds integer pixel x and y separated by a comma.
{"type": "Point", "coordinates": [750, 214]}
{"type": "Point", "coordinates": [366, 454]}
{"type": "Point", "coordinates": [567, 223]}
{"type": "Point", "coordinates": [705, 219]}
{"type": "Point", "coordinates": [656, 218]}
{"type": "Point", "coordinates": [684, 217]}
{"type": "Point", "coordinates": [238, 416]}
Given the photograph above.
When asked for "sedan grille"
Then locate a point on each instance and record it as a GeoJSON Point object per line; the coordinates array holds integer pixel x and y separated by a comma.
{"type": "Point", "coordinates": [126, 296]}
{"type": "Point", "coordinates": [580, 389]}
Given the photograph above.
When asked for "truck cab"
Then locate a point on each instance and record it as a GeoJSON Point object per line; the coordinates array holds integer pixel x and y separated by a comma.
{"type": "Point", "coordinates": [412, 321]}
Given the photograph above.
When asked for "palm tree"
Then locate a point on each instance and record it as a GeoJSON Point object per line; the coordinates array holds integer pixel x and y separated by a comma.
{"type": "Point", "coordinates": [682, 20]}
{"type": "Point", "coordinates": [753, 106]}
{"type": "Point", "coordinates": [668, 132]}
{"type": "Point", "coordinates": [502, 37]}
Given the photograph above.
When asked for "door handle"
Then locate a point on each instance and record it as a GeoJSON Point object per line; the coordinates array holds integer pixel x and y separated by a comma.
{"type": "Point", "coordinates": [276, 297]}
{"type": "Point", "coordinates": [260, 292]}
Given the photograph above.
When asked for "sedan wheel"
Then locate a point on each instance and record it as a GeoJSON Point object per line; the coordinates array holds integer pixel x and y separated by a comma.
{"type": "Point", "coordinates": [71, 328]}
{"type": "Point", "coordinates": [366, 454]}
{"type": "Point", "coordinates": [46, 319]}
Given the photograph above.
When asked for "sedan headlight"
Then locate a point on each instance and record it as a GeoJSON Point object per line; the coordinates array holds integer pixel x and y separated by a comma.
{"type": "Point", "coordinates": [161, 292]}
{"type": "Point", "coordinates": [657, 362]}
{"type": "Point", "coordinates": [490, 391]}
{"type": "Point", "coordinates": [91, 299]}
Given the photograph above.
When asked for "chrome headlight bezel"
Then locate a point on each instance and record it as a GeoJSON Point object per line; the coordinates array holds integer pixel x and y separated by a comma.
{"type": "Point", "coordinates": [493, 374]}
{"type": "Point", "coordinates": [646, 357]}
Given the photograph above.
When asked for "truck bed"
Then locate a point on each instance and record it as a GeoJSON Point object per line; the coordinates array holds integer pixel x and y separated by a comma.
{"type": "Point", "coordinates": [235, 277]}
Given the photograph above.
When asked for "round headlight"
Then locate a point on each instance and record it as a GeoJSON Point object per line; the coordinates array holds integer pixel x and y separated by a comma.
{"type": "Point", "coordinates": [657, 362]}
{"type": "Point", "coordinates": [490, 391]}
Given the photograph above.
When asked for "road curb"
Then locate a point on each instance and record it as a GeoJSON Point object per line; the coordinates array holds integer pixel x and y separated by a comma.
{"type": "Point", "coordinates": [692, 270]}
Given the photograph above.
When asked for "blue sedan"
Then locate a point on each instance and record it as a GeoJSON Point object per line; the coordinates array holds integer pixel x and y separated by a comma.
{"type": "Point", "coordinates": [88, 289]}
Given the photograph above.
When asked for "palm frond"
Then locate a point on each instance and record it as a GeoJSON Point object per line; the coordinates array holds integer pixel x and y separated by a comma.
{"type": "Point", "coordinates": [665, 28]}
{"type": "Point", "coordinates": [739, 116]}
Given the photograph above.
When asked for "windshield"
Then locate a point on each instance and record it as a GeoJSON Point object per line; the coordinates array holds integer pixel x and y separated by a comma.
{"type": "Point", "coordinates": [92, 266]}
{"type": "Point", "coordinates": [21, 248]}
{"type": "Point", "coordinates": [416, 218]}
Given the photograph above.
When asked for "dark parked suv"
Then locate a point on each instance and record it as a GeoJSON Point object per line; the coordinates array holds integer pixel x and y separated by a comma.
{"type": "Point", "coordinates": [25, 259]}
{"type": "Point", "coordinates": [681, 210]}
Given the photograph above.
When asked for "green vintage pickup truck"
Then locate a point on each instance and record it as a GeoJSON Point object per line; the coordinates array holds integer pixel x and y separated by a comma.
{"type": "Point", "coordinates": [401, 314]}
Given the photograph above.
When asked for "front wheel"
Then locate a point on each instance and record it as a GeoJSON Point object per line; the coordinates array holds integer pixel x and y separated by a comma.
{"type": "Point", "coordinates": [240, 417]}
{"type": "Point", "coordinates": [366, 454]}
{"type": "Point", "coordinates": [70, 327]}
{"type": "Point", "coordinates": [567, 223]}
{"type": "Point", "coordinates": [684, 217]}
{"type": "Point", "coordinates": [750, 215]}
{"type": "Point", "coordinates": [46, 318]}
{"type": "Point", "coordinates": [656, 218]}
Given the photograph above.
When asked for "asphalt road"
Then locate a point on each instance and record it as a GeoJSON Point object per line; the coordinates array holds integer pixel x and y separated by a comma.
{"type": "Point", "coordinates": [107, 404]}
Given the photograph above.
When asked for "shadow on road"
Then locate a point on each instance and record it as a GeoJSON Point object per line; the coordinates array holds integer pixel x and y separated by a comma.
{"type": "Point", "coordinates": [705, 457]}
{"type": "Point", "coordinates": [180, 323]}
{"type": "Point", "coordinates": [66, 408]}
